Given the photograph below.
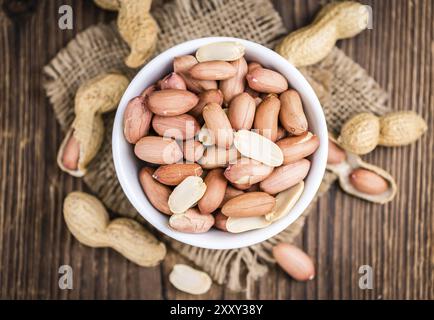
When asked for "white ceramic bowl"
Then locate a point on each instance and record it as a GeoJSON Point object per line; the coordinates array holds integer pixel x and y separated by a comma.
{"type": "Point", "coordinates": [128, 166]}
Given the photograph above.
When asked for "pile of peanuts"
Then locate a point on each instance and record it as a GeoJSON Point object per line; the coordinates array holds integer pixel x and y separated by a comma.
{"type": "Point", "coordinates": [224, 142]}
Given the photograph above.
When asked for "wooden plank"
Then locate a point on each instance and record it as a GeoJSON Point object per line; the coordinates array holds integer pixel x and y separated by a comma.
{"type": "Point", "coordinates": [343, 234]}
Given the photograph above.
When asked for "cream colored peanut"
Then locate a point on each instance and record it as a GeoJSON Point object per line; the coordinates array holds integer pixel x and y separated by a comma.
{"type": "Point", "coordinates": [223, 51]}
{"type": "Point", "coordinates": [311, 44]}
{"type": "Point", "coordinates": [88, 221]}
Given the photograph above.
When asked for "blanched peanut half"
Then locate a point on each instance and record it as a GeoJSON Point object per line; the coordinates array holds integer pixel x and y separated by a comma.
{"type": "Point", "coordinates": [291, 115]}
{"type": "Point", "coordinates": [368, 182]}
{"type": "Point", "coordinates": [218, 123]}
{"type": "Point", "coordinates": [137, 119]}
{"type": "Point", "coordinates": [186, 194]}
{"type": "Point", "coordinates": [285, 201]}
{"type": "Point", "coordinates": [252, 145]}
{"type": "Point", "coordinates": [156, 193]}
{"type": "Point", "coordinates": [181, 65]}
{"type": "Point", "coordinates": [71, 153]}
{"type": "Point", "coordinates": [223, 51]}
{"type": "Point", "coordinates": [213, 70]}
{"type": "Point", "coordinates": [173, 81]}
{"type": "Point", "coordinates": [267, 117]}
{"type": "Point", "coordinates": [298, 147]}
{"type": "Point", "coordinates": [230, 193]}
{"type": "Point", "coordinates": [215, 157]}
{"type": "Point", "coordinates": [243, 224]}
{"type": "Point", "coordinates": [249, 205]}
{"type": "Point", "coordinates": [205, 97]}
{"type": "Point", "coordinates": [171, 102]}
{"type": "Point", "coordinates": [335, 155]}
{"type": "Point", "coordinates": [247, 171]}
{"type": "Point", "coordinates": [294, 261]}
{"type": "Point", "coordinates": [266, 80]}
{"type": "Point", "coordinates": [205, 136]}
{"type": "Point", "coordinates": [191, 221]}
{"type": "Point", "coordinates": [158, 150]}
{"type": "Point", "coordinates": [220, 221]}
{"type": "Point", "coordinates": [285, 177]}
{"type": "Point", "coordinates": [235, 85]}
{"type": "Point", "coordinates": [180, 127]}
{"type": "Point", "coordinates": [215, 191]}
{"type": "Point", "coordinates": [189, 280]}
{"type": "Point", "coordinates": [193, 150]}
{"type": "Point", "coordinates": [174, 174]}
{"type": "Point", "coordinates": [242, 111]}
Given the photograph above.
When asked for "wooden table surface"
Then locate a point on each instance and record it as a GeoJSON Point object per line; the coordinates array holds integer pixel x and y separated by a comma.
{"type": "Point", "coordinates": [343, 234]}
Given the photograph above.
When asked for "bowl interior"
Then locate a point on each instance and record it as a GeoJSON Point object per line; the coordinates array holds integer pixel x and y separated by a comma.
{"type": "Point", "coordinates": [127, 165]}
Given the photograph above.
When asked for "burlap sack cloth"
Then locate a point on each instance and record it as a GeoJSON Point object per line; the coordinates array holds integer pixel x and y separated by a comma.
{"type": "Point", "coordinates": [343, 86]}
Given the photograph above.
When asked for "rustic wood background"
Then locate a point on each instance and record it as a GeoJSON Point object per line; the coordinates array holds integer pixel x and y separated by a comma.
{"type": "Point", "coordinates": [343, 234]}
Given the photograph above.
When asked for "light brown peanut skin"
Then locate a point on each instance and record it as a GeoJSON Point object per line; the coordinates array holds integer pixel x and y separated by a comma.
{"type": "Point", "coordinates": [218, 123]}
{"type": "Point", "coordinates": [368, 182]}
{"type": "Point", "coordinates": [180, 127]}
{"type": "Point", "coordinates": [157, 193]}
{"type": "Point", "coordinates": [266, 80]}
{"type": "Point", "coordinates": [174, 174]}
{"type": "Point", "coordinates": [249, 205]}
{"type": "Point", "coordinates": [335, 155]}
{"type": "Point", "coordinates": [220, 221]}
{"type": "Point", "coordinates": [215, 157]}
{"type": "Point", "coordinates": [215, 191]}
{"type": "Point", "coordinates": [137, 119]}
{"type": "Point", "coordinates": [171, 102]}
{"type": "Point", "coordinates": [285, 176]}
{"type": "Point", "coordinates": [294, 150]}
{"type": "Point", "coordinates": [294, 261]}
{"type": "Point", "coordinates": [230, 193]}
{"type": "Point", "coordinates": [71, 153]}
{"type": "Point", "coordinates": [291, 114]}
{"type": "Point", "coordinates": [241, 112]}
{"type": "Point", "coordinates": [205, 97]}
{"type": "Point", "coordinates": [182, 65]}
{"type": "Point", "coordinates": [213, 70]}
{"type": "Point", "coordinates": [267, 117]}
{"type": "Point", "coordinates": [173, 81]}
{"type": "Point", "coordinates": [253, 170]}
{"type": "Point", "coordinates": [235, 85]}
{"type": "Point", "coordinates": [193, 150]}
{"type": "Point", "coordinates": [191, 221]}
{"type": "Point", "coordinates": [158, 150]}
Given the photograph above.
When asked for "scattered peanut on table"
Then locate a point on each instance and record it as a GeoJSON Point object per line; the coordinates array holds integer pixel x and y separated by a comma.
{"type": "Point", "coordinates": [222, 159]}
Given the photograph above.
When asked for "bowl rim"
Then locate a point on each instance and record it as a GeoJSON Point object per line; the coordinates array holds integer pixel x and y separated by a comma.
{"type": "Point", "coordinates": [244, 239]}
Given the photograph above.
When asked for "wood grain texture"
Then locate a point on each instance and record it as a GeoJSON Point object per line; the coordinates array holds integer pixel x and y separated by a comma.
{"type": "Point", "coordinates": [343, 234]}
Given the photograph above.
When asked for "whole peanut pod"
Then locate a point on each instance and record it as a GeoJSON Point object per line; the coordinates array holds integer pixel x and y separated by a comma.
{"type": "Point", "coordinates": [311, 44]}
{"type": "Point", "coordinates": [83, 140]}
{"type": "Point", "coordinates": [139, 29]}
{"type": "Point", "coordinates": [88, 221]}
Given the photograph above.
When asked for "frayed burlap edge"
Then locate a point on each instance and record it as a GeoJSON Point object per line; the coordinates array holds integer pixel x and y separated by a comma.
{"type": "Point", "coordinates": [343, 86]}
